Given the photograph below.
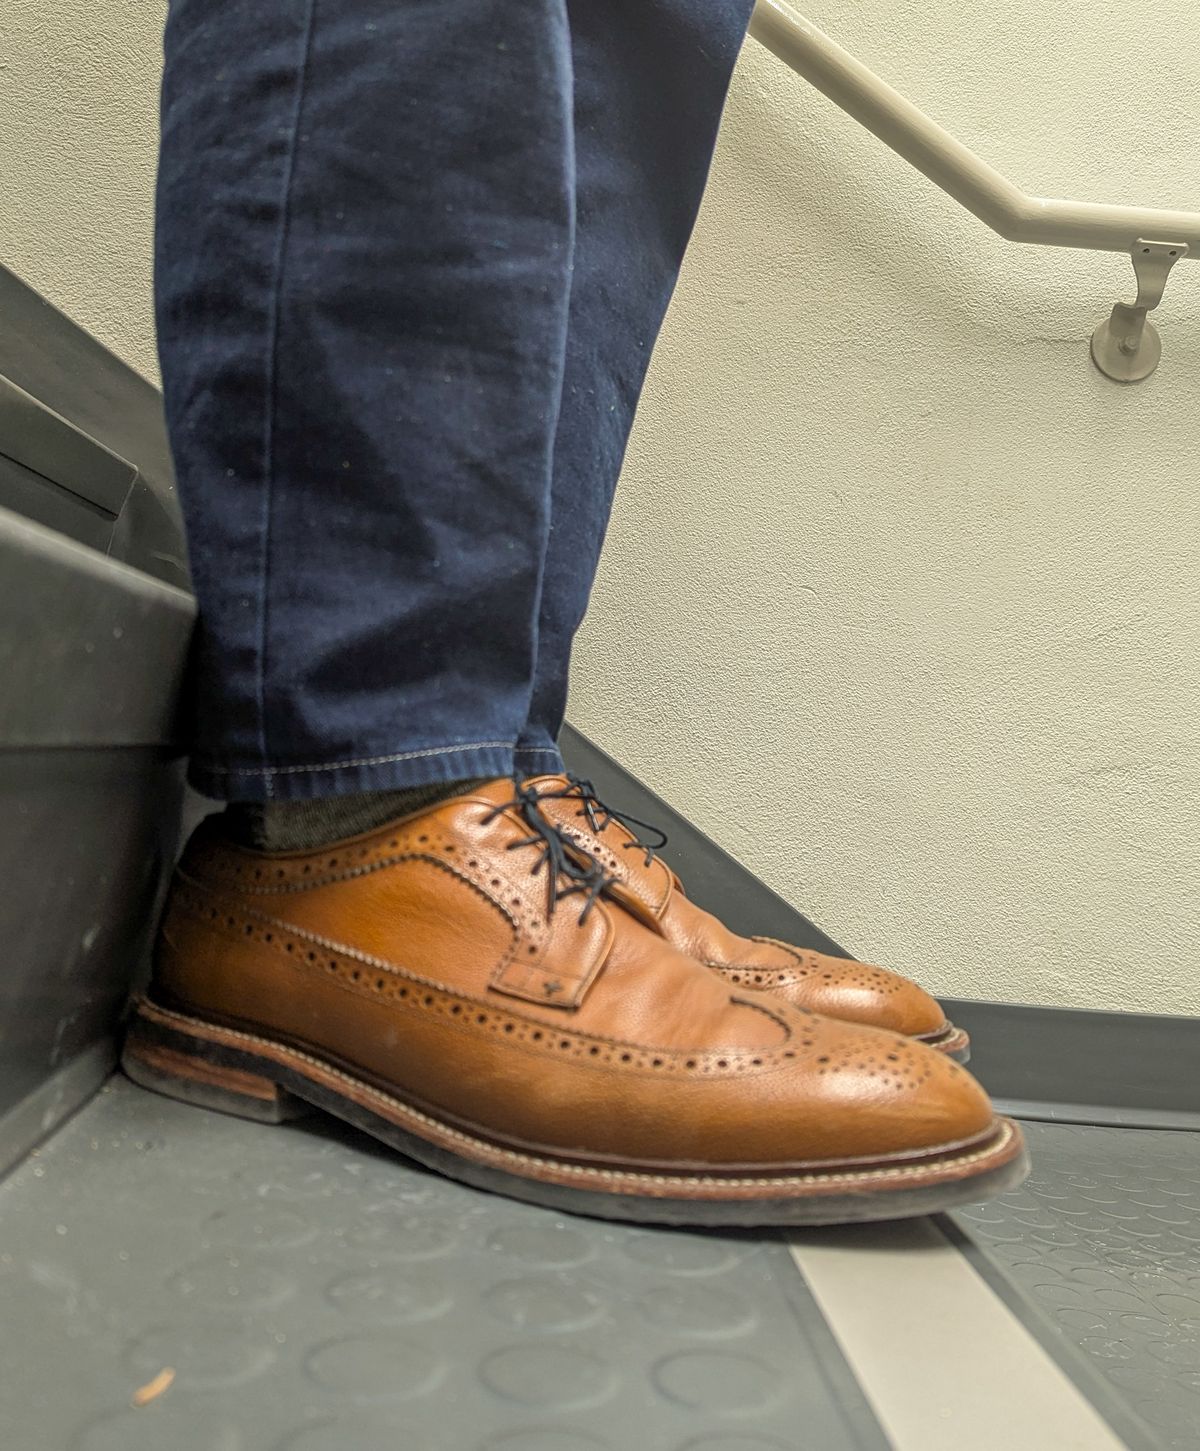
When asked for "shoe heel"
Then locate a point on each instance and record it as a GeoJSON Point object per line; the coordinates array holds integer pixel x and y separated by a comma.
{"type": "Point", "coordinates": [192, 1077]}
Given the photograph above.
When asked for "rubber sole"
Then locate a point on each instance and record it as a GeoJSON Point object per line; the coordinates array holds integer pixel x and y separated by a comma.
{"type": "Point", "coordinates": [260, 1078]}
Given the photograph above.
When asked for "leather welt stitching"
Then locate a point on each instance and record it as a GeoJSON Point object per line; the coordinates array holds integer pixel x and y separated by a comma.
{"type": "Point", "coordinates": [853, 1176]}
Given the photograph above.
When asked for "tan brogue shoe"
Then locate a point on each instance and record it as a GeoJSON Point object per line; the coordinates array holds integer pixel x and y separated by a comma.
{"type": "Point", "coordinates": [836, 986]}
{"type": "Point", "coordinates": [458, 985]}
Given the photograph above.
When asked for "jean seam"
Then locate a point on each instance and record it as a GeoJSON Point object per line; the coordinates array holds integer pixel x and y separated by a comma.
{"type": "Point", "coordinates": [215, 770]}
{"type": "Point", "coordinates": [285, 202]}
{"type": "Point", "coordinates": [571, 164]}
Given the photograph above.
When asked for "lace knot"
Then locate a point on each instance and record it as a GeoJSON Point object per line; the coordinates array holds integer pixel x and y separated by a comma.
{"type": "Point", "coordinates": [570, 869]}
{"type": "Point", "coordinates": [599, 816]}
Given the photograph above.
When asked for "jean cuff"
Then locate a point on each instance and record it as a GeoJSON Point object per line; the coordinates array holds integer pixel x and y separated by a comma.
{"type": "Point", "coordinates": [531, 760]}
{"type": "Point", "coordinates": [394, 771]}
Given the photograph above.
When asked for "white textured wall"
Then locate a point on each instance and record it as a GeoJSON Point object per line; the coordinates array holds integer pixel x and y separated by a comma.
{"type": "Point", "coordinates": [78, 133]}
{"type": "Point", "coordinates": [901, 598]}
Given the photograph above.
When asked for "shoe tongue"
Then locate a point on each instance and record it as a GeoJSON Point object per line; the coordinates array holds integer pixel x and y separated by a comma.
{"type": "Point", "coordinates": [497, 791]}
{"type": "Point", "coordinates": [547, 783]}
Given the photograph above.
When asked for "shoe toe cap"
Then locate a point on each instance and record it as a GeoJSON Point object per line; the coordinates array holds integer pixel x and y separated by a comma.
{"type": "Point", "coordinates": [912, 1096]}
{"type": "Point", "coordinates": [860, 993]}
{"type": "Point", "coordinates": [839, 987]}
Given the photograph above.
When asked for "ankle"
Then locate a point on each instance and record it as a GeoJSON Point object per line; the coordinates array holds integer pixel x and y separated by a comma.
{"type": "Point", "coordinates": [279, 826]}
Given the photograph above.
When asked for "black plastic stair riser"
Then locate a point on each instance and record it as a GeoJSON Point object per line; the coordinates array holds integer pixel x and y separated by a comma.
{"type": "Point", "coordinates": [96, 616]}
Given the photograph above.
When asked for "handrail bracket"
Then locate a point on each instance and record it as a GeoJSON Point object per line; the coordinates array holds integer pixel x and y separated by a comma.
{"type": "Point", "coordinates": [1126, 346]}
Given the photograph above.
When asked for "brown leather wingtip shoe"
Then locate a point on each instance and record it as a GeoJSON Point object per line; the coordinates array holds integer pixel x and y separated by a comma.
{"type": "Point", "coordinates": [839, 987]}
{"type": "Point", "coordinates": [457, 985]}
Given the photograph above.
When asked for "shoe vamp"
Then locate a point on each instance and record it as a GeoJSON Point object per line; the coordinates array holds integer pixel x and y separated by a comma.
{"type": "Point", "coordinates": [608, 976]}
{"type": "Point", "coordinates": [660, 1063]}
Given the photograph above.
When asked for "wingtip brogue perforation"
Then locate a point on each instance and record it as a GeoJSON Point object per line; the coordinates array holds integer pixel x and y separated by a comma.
{"type": "Point", "coordinates": [464, 984]}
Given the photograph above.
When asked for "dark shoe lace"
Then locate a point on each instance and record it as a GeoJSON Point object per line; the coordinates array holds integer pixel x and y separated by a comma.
{"type": "Point", "coordinates": [599, 816]}
{"type": "Point", "coordinates": [564, 860]}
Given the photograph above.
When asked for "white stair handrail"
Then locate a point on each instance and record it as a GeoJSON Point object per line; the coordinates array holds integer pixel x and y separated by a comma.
{"type": "Point", "coordinates": [955, 167]}
{"type": "Point", "coordinates": [1156, 238]}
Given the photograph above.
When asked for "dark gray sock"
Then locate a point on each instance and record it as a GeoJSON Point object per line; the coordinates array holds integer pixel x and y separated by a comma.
{"type": "Point", "coordinates": [307, 825]}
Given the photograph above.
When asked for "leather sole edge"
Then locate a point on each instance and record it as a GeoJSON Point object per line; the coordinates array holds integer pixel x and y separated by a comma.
{"type": "Point", "coordinates": [954, 1042]}
{"type": "Point", "coordinates": [257, 1077]}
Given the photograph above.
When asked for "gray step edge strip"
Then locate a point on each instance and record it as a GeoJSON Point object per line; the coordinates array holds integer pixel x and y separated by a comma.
{"type": "Point", "coordinates": [1098, 1114]}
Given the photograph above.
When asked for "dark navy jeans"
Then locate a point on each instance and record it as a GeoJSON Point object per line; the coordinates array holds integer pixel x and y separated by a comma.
{"type": "Point", "coordinates": [411, 260]}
